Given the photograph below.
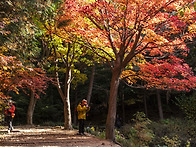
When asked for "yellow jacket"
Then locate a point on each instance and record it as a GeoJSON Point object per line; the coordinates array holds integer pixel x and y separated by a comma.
{"type": "Point", "coordinates": [82, 111]}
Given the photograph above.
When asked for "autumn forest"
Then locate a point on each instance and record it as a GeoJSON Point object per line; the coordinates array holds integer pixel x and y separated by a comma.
{"type": "Point", "coordinates": [134, 61]}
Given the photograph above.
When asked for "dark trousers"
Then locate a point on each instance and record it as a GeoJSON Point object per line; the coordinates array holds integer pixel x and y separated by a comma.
{"type": "Point", "coordinates": [9, 120]}
{"type": "Point", "coordinates": [81, 126]}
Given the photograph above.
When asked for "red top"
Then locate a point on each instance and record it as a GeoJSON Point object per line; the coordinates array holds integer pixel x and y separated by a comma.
{"type": "Point", "coordinates": [12, 110]}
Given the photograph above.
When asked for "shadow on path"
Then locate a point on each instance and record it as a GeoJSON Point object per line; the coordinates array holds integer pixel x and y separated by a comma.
{"type": "Point", "coordinates": [50, 137]}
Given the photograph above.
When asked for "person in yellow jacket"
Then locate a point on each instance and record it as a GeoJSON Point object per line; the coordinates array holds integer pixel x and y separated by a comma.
{"type": "Point", "coordinates": [82, 108]}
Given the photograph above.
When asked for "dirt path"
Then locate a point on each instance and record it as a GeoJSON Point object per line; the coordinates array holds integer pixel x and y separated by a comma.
{"type": "Point", "coordinates": [48, 136]}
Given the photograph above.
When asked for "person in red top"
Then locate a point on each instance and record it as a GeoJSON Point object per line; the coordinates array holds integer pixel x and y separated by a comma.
{"type": "Point", "coordinates": [9, 115]}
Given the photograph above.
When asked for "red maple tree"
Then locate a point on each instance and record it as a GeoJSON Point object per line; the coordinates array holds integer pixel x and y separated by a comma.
{"type": "Point", "coordinates": [15, 76]}
{"type": "Point", "coordinates": [121, 30]}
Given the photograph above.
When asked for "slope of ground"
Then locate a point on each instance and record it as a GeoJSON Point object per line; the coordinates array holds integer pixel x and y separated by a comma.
{"type": "Point", "coordinates": [49, 136]}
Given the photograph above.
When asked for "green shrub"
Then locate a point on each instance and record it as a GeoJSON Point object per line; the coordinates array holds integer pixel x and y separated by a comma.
{"type": "Point", "coordinates": [173, 132]}
{"type": "Point", "coordinates": [165, 132]}
{"type": "Point", "coordinates": [137, 134]}
{"type": "Point", "coordinates": [173, 142]}
{"type": "Point", "coordinates": [101, 134]}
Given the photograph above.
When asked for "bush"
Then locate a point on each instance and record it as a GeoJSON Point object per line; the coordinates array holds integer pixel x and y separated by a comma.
{"type": "Point", "coordinates": [137, 134]}
{"type": "Point", "coordinates": [174, 131]}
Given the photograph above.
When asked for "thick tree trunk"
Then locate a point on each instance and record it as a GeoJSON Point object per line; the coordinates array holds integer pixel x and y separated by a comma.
{"type": "Point", "coordinates": [90, 88]}
{"type": "Point", "coordinates": [111, 117]}
{"type": "Point", "coordinates": [159, 104]}
{"type": "Point", "coordinates": [31, 109]}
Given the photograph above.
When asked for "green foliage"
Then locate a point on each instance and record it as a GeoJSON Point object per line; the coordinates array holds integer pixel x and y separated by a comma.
{"type": "Point", "coordinates": [188, 143]}
{"type": "Point", "coordinates": [78, 78]}
{"type": "Point", "coordinates": [2, 116]}
{"type": "Point", "coordinates": [125, 142]}
{"type": "Point", "coordinates": [98, 133]}
{"type": "Point", "coordinates": [195, 6]}
{"type": "Point", "coordinates": [141, 129]}
{"type": "Point", "coordinates": [137, 134]}
{"type": "Point", "coordinates": [173, 131]}
{"type": "Point", "coordinates": [21, 40]}
{"type": "Point", "coordinates": [167, 133]}
{"type": "Point", "coordinates": [188, 105]}
{"type": "Point", "coordinates": [101, 135]}
{"type": "Point", "coordinates": [173, 142]}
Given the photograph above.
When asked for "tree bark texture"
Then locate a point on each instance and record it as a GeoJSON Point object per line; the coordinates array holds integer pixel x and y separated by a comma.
{"type": "Point", "coordinates": [111, 117]}
{"type": "Point", "coordinates": [159, 104]}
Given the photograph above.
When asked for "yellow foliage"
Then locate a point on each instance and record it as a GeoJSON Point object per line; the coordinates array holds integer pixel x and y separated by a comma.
{"type": "Point", "coordinates": [4, 67]}
{"type": "Point", "coordinates": [6, 20]}
{"type": "Point", "coordinates": [130, 76]}
{"type": "Point", "coordinates": [172, 142]}
{"type": "Point", "coordinates": [3, 49]}
{"type": "Point", "coordinates": [93, 128]}
{"type": "Point", "coordinates": [151, 36]}
{"type": "Point", "coordinates": [192, 28]}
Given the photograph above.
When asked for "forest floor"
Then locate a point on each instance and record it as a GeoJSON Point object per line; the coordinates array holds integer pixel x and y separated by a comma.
{"type": "Point", "coordinates": [49, 136]}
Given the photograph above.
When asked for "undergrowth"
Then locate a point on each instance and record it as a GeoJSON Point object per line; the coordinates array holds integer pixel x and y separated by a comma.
{"type": "Point", "coordinates": [143, 132]}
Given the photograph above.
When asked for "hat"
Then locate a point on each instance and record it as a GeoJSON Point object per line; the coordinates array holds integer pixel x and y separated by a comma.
{"type": "Point", "coordinates": [84, 101]}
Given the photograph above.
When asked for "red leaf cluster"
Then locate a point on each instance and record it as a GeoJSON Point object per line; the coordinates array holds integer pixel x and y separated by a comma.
{"type": "Point", "coordinates": [14, 76]}
{"type": "Point", "coordinates": [171, 73]}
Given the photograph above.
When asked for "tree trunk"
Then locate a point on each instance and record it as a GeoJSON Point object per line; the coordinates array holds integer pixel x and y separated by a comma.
{"type": "Point", "coordinates": [168, 96]}
{"type": "Point", "coordinates": [145, 103]}
{"type": "Point", "coordinates": [159, 104]}
{"type": "Point", "coordinates": [65, 97]}
{"type": "Point", "coordinates": [67, 109]}
{"type": "Point", "coordinates": [75, 106]}
{"type": "Point", "coordinates": [90, 88]}
{"type": "Point", "coordinates": [31, 109]}
{"type": "Point", "coordinates": [111, 117]}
